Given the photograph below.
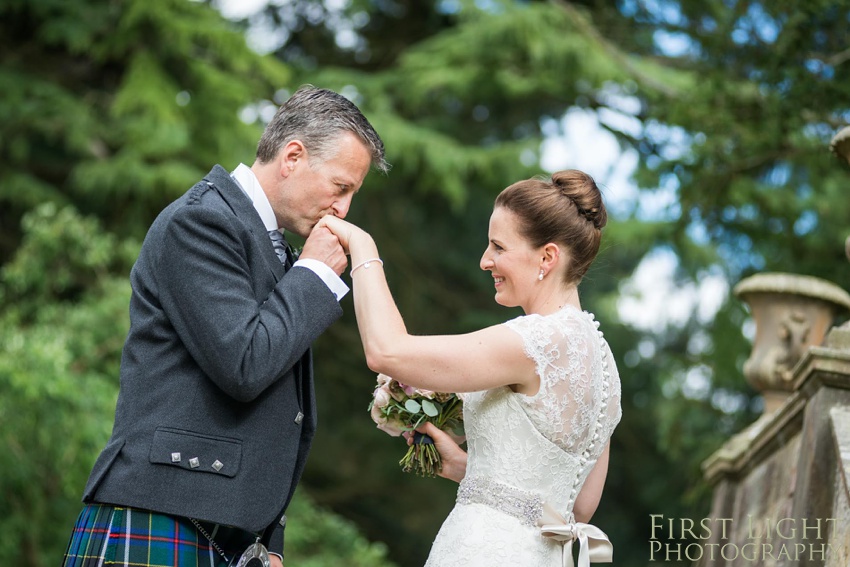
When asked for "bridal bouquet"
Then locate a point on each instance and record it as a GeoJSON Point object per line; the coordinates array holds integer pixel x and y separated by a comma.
{"type": "Point", "coordinates": [397, 408]}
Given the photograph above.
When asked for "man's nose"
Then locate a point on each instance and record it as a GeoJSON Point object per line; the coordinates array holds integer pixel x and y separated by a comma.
{"type": "Point", "coordinates": [341, 206]}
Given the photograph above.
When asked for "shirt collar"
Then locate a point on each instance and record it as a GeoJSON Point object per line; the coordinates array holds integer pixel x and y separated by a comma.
{"type": "Point", "coordinates": [249, 183]}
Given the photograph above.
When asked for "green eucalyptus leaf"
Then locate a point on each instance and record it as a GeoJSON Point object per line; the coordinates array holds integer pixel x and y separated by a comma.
{"type": "Point", "coordinates": [412, 406]}
{"type": "Point", "coordinates": [430, 408]}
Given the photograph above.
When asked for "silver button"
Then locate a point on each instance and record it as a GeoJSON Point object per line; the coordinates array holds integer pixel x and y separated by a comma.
{"type": "Point", "coordinates": [283, 521]}
{"type": "Point", "coordinates": [217, 465]}
{"type": "Point", "coordinates": [299, 418]}
{"type": "Point", "coordinates": [175, 457]}
{"type": "Point", "coordinates": [194, 462]}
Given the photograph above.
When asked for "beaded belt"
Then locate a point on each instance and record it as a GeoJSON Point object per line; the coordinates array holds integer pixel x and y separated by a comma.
{"type": "Point", "coordinates": [523, 505]}
{"type": "Point", "coordinates": [529, 508]}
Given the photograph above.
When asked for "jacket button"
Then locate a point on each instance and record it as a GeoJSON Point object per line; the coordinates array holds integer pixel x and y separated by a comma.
{"type": "Point", "coordinates": [194, 462]}
{"type": "Point", "coordinates": [175, 457]}
{"type": "Point", "coordinates": [299, 418]}
{"type": "Point", "coordinates": [217, 465]}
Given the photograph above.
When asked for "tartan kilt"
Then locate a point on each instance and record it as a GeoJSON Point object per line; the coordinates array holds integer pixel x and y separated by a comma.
{"type": "Point", "coordinates": [111, 535]}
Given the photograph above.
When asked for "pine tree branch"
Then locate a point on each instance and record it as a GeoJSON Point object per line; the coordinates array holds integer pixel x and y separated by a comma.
{"type": "Point", "coordinates": [592, 33]}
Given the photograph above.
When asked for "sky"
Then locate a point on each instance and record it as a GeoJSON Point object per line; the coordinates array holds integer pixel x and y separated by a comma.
{"type": "Point", "coordinates": [237, 9]}
{"type": "Point", "coordinates": [651, 299]}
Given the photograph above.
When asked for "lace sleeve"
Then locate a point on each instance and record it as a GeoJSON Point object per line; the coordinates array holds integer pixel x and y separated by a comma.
{"type": "Point", "coordinates": [578, 403]}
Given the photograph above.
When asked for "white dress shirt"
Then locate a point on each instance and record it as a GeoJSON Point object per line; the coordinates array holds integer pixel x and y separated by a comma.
{"type": "Point", "coordinates": [245, 178]}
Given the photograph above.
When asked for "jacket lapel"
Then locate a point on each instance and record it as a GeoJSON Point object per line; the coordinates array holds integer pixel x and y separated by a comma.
{"type": "Point", "coordinates": [243, 208]}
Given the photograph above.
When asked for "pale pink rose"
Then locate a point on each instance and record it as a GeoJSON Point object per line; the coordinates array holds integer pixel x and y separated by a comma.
{"type": "Point", "coordinates": [377, 415]}
{"type": "Point", "coordinates": [412, 391]}
{"type": "Point", "coordinates": [395, 390]}
{"type": "Point", "coordinates": [383, 380]}
{"type": "Point", "coordinates": [382, 397]}
{"type": "Point", "coordinates": [391, 428]}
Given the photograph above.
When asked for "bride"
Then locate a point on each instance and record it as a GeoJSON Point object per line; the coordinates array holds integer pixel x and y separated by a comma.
{"type": "Point", "coordinates": [544, 392]}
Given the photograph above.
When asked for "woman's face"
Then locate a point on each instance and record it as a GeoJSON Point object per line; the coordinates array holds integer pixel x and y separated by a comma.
{"type": "Point", "coordinates": [511, 260]}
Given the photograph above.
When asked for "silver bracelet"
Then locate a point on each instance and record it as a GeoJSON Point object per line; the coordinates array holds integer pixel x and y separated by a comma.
{"type": "Point", "coordinates": [366, 264]}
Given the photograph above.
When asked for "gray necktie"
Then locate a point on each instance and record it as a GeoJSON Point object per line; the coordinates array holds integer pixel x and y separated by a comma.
{"type": "Point", "coordinates": [281, 248]}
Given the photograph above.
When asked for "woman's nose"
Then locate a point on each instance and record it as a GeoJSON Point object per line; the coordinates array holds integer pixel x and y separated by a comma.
{"type": "Point", "coordinates": [486, 263]}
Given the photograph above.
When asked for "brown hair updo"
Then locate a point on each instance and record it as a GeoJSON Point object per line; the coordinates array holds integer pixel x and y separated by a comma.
{"type": "Point", "coordinates": [566, 209]}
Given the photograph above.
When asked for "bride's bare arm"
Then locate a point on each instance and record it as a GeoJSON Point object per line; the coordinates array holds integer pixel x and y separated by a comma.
{"type": "Point", "coordinates": [481, 360]}
{"type": "Point", "coordinates": [591, 492]}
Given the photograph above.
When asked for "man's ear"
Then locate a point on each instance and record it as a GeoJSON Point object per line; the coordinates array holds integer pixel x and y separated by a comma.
{"type": "Point", "coordinates": [290, 155]}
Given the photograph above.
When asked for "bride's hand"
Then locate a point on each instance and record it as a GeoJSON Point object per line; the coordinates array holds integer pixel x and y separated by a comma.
{"type": "Point", "coordinates": [452, 456]}
{"type": "Point", "coordinates": [342, 229]}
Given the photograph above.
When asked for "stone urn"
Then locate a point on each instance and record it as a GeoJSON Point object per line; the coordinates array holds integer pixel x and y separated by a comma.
{"type": "Point", "coordinates": [840, 144]}
{"type": "Point", "coordinates": [791, 313]}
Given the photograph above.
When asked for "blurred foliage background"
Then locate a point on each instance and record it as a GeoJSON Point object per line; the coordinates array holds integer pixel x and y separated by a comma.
{"type": "Point", "coordinates": [112, 108]}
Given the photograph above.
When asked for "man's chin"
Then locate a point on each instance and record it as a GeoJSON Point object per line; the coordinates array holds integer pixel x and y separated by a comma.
{"type": "Point", "coordinates": [303, 230]}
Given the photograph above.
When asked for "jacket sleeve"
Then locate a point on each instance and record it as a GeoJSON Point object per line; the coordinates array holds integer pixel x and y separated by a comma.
{"type": "Point", "coordinates": [207, 290]}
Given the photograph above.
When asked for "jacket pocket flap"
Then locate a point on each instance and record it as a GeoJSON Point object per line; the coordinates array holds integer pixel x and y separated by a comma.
{"type": "Point", "coordinates": [196, 451]}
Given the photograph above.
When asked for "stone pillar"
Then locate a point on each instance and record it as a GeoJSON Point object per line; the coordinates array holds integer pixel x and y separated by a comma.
{"type": "Point", "coordinates": [791, 313]}
{"type": "Point", "coordinates": [782, 486]}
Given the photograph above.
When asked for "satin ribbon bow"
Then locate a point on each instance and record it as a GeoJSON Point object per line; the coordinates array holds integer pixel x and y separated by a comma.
{"type": "Point", "coordinates": [594, 546]}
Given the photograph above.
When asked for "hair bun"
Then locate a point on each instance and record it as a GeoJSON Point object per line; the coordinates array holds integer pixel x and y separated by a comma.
{"type": "Point", "coordinates": [592, 215]}
{"type": "Point", "coordinates": [581, 189]}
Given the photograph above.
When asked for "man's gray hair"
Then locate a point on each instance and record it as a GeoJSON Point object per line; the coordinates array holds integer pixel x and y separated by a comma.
{"type": "Point", "coordinates": [317, 117]}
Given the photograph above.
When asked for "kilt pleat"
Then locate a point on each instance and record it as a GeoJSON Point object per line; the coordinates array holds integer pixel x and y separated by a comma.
{"type": "Point", "coordinates": [112, 536]}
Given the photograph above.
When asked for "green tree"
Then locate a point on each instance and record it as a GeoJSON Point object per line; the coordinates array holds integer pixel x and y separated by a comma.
{"type": "Point", "coordinates": [461, 106]}
{"type": "Point", "coordinates": [736, 104]}
{"type": "Point", "coordinates": [117, 107]}
{"type": "Point", "coordinates": [744, 152]}
{"type": "Point", "coordinates": [60, 341]}
{"type": "Point", "coordinates": [111, 109]}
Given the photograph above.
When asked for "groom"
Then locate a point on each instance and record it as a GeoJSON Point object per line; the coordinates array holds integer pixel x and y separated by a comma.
{"type": "Point", "coordinates": [216, 413]}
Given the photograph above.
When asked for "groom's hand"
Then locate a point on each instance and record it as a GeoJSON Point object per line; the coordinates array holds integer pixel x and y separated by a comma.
{"type": "Point", "coordinates": [324, 246]}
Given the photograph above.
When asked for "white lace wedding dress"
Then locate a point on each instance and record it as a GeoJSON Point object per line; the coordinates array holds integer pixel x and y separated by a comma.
{"type": "Point", "coordinates": [525, 451]}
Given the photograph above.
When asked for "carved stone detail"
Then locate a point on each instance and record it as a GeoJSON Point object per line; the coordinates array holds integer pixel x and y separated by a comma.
{"type": "Point", "coordinates": [791, 313]}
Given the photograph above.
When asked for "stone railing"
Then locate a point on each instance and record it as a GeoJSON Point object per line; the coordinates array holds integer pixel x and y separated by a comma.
{"type": "Point", "coordinates": [782, 486]}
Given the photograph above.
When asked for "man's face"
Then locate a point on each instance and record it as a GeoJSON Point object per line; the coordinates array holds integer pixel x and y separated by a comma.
{"type": "Point", "coordinates": [316, 187]}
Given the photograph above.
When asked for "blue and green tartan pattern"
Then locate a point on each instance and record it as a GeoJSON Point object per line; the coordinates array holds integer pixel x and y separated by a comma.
{"type": "Point", "coordinates": [107, 535]}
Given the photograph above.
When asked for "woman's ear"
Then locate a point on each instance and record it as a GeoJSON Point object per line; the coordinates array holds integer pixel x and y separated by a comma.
{"type": "Point", "coordinates": [551, 257]}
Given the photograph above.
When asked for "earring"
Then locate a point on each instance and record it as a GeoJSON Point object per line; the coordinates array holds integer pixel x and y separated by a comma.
{"type": "Point", "coordinates": [540, 276]}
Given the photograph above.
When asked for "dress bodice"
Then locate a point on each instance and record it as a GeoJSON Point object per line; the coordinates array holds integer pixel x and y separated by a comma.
{"type": "Point", "coordinates": [547, 443]}
{"type": "Point", "coordinates": [530, 454]}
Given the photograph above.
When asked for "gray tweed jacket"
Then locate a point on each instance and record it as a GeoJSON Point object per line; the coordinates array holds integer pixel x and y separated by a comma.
{"type": "Point", "coordinates": [216, 409]}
